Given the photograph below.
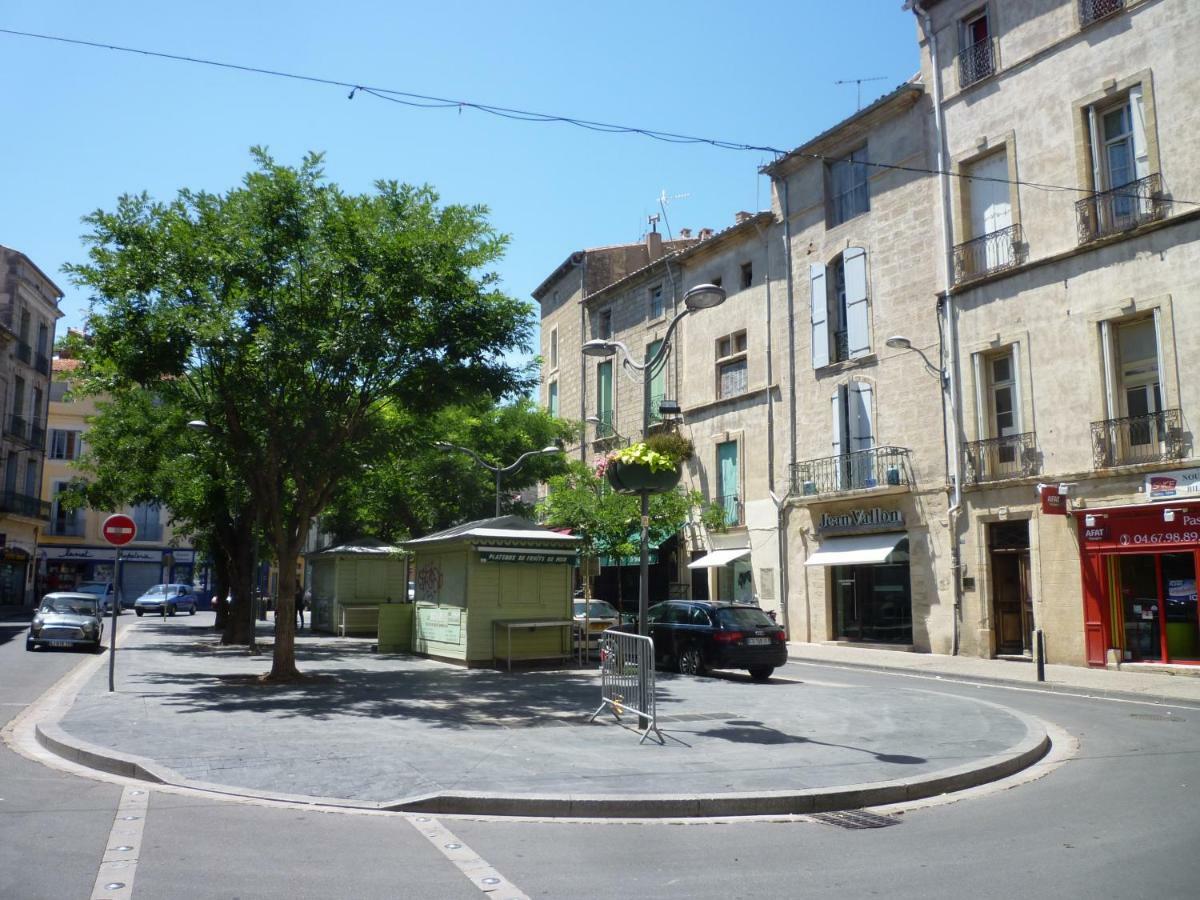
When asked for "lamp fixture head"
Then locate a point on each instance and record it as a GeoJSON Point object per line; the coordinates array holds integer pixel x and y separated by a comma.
{"type": "Point", "coordinates": [198, 425]}
{"type": "Point", "coordinates": [899, 342]}
{"type": "Point", "coordinates": [704, 296]}
{"type": "Point", "coordinates": [599, 347]}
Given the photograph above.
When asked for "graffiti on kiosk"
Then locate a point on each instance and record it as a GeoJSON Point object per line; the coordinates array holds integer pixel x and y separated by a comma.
{"type": "Point", "coordinates": [429, 580]}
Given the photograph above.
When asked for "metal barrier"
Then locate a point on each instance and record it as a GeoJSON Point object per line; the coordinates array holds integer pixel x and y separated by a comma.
{"type": "Point", "coordinates": [627, 679]}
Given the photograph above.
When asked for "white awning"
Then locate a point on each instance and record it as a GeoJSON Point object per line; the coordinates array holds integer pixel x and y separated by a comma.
{"type": "Point", "coordinates": [719, 558]}
{"type": "Point", "coordinates": [861, 549]}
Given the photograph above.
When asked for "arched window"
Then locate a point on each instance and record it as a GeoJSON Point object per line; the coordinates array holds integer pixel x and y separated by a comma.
{"type": "Point", "coordinates": [840, 315]}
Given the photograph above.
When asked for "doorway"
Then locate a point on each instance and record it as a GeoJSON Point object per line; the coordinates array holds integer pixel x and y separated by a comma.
{"type": "Point", "coordinates": [1158, 610]}
{"type": "Point", "coordinates": [1012, 603]}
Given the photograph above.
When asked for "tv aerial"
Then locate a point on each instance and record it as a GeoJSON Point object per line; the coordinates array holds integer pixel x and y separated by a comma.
{"type": "Point", "coordinates": [858, 82]}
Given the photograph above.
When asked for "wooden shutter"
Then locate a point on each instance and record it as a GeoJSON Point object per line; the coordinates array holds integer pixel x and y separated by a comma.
{"type": "Point", "coordinates": [862, 434]}
{"type": "Point", "coordinates": [820, 316]}
{"type": "Point", "coordinates": [1137, 114]}
{"type": "Point", "coordinates": [839, 429]}
{"type": "Point", "coordinates": [858, 329]}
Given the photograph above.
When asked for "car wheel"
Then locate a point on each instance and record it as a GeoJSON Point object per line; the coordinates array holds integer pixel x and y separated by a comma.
{"type": "Point", "coordinates": [192, 610]}
{"type": "Point", "coordinates": [97, 647]}
{"type": "Point", "coordinates": [761, 673]}
{"type": "Point", "coordinates": [139, 613]}
{"type": "Point", "coordinates": [691, 661]}
{"type": "Point", "coordinates": [30, 646]}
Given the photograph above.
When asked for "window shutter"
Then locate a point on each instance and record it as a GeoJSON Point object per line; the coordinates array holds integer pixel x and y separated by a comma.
{"type": "Point", "coordinates": [820, 316]}
{"type": "Point", "coordinates": [839, 425]}
{"type": "Point", "coordinates": [1137, 113]}
{"type": "Point", "coordinates": [858, 334]}
{"type": "Point", "coordinates": [862, 434]}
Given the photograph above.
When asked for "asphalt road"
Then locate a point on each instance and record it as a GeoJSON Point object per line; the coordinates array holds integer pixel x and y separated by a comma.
{"type": "Point", "coordinates": [1121, 818]}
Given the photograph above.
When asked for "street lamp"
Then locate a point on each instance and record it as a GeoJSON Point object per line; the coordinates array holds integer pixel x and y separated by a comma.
{"type": "Point", "coordinates": [702, 296]}
{"type": "Point", "coordinates": [900, 342]}
{"type": "Point", "coordinates": [499, 471]}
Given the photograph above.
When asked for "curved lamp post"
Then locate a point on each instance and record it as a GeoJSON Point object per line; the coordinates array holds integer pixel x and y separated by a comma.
{"type": "Point", "coordinates": [900, 342]}
{"type": "Point", "coordinates": [498, 471]}
{"type": "Point", "coordinates": [702, 296]}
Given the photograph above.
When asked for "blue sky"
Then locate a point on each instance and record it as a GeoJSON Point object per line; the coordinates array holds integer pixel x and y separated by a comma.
{"type": "Point", "coordinates": [86, 125]}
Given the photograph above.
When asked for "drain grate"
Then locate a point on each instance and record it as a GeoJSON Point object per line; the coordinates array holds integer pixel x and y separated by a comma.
{"type": "Point", "coordinates": [855, 818]}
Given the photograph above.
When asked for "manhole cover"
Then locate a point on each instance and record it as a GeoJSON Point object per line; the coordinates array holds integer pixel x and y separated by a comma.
{"type": "Point", "coordinates": [855, 818]}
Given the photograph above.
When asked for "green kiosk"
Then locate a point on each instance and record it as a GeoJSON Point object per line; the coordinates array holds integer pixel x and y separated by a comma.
{"type": "Point", "coordinates": [493, 592]}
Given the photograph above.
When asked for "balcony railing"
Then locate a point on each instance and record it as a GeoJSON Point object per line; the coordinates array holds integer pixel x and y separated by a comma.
{"type": "Point", "coordinates": [1121, 209]}
{"type": "Point", "coordinates": [879, 467]}
{"type": "Point", "coordinates": [604, 425]}
{"type": "Point", "coordinates": [1132, 440]}
{"type": "Point", "coordinates": [24, 352]}
{"type": "Point", "coordinates": [42, 363]}
{"type": "Point", "coordinates": [731, 506]}
{"type": "Point", "coordinates": [655, 401]}
{"type": "Point", "coordinates": [995, 459]}
{"type": "Point", "coordinates": [37, 435]}
{"type": "Point", "coordinates": [17, 426]}
{"type": "Point", "coordinates": [992, 252]}
{"type": "Point", "coordinates": [24, 505]}
{"type": "Point", "coordinates": [977, 62]}
{"type": "Point", "coordinates": [1093, 10]}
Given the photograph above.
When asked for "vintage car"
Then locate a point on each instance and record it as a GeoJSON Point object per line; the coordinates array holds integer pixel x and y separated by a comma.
{"type": "Point", "coordinates": [67, 619]}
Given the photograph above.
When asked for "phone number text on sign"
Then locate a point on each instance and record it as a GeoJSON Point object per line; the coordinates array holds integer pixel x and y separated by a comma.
{"type": "Point", "coordinates": [1172, 537]}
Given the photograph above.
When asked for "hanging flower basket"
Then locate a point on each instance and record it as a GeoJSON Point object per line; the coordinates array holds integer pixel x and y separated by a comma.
{"type": "Point", "coordinates": [636, 477]}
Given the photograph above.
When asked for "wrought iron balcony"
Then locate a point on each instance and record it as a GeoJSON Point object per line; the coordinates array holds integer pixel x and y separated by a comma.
{"type": "Point", "coordinates": [1133, 440]}
{"type": "Point", "coordinates": [731, 505]}
{"type": "Point", "coordinates": [877, 468]}
{"type": "Point", "coordinates": [1121, 209]}
{"type": "Point", "coordinates": [24, 505]}
{"type": "Point", "coordinates": [1093, 10]}
{"type": "Point", "coordinates": [996, 459]}
{"type": "Point", "coordinates": [604, 427]}
{"type": "Point", "coordinates": [977, 62]}
{"type": "Point", "coordinates": [17, 426]}
{"type": "Point", "coordinates": [992, 252]}
{"type": "Point", "coordinates": [37, 434]}
{"type": "Point", "coordinates": [42, 364]}
{"type": "Point", "coordinates": [24, 352]}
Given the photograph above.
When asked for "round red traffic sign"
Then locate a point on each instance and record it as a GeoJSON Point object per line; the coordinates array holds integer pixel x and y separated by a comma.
{"type": "Point", "coordinates": [119, 529]}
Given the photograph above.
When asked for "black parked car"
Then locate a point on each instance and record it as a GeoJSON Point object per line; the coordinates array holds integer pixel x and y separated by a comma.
{"type": "Point", "coordinates": [697, 635]}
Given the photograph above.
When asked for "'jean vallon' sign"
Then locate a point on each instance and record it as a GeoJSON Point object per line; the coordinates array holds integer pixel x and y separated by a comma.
{"type": "Point", "coordinates": [518, 555]}
{"type": "Point", "coordinates": [875, 519]}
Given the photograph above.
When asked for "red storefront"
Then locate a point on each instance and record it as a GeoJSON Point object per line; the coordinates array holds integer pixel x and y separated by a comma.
{"type": "Point", "coordinates": [1139, 581]}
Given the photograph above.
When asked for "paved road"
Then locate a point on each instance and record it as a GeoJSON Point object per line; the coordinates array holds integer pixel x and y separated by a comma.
{"type": "Point", "coordinates": [1119, 819]}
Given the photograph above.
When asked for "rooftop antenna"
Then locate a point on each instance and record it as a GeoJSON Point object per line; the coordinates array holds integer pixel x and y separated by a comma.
{"type": "Point", "coordinates": [663, 200]}
{"type": "Point", "coordinates": [858, 82]}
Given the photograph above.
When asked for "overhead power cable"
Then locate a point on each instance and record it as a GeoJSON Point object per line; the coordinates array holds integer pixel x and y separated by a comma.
{"type": "Point", "coordinates": [426, 101]}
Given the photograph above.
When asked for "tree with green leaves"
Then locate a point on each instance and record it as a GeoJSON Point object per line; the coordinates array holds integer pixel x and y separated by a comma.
{"type": "Point", "coordinates": [291, 314]}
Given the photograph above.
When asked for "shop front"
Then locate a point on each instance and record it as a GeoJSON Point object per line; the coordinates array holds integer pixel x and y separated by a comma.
{"type": "Point", "coordinates": [1139, 582]}
{"type": "Point", "coordinates": [66, 567]}
{"type": "Point", "coordinates": [865, 556]}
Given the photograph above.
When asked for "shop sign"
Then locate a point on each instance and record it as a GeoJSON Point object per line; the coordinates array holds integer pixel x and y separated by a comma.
{"type": "Point", "coordinates": [855, 520]}
{"type": "Point", "coordinates": [518, 555]}
{"type": "Point", "coordinates": [1054, 502]}
{"type": "Point", "coordinates": [83, 554]}
{"type": "Point", "coordinates": [141, 555]}
{"type": "Point", "coordinates": [1095, 533]}
{"type": "Point", "coordinates": [1167, 485]}
{"type": "Point", "coordinates": [441, 625]}
{"type": "Point", "coordinates": [1145, 529]}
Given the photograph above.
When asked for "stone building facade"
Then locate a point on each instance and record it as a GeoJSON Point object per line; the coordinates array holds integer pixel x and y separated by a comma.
{"type": "Point", "coordinates": [28, 313]}
{"type": "Point", "coordinates": [1074, 315]}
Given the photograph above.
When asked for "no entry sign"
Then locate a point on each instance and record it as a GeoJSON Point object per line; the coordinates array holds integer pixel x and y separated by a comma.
{"type": "Point", "coordinates": [119, 529]}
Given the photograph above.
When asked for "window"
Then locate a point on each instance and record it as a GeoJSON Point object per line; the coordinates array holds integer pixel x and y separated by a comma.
{"type": "Point", "coordinates": [1093, 10]}
{"type": "Point", "coordinates": [840, 316]}
{"type": "Point", "coordinates": [604, 400]}
{"type": "Point", "coordinates": [1004, 416]}
{"type": "Point", "coordinates": [658, 380]}
{"type": "Point", "coordinates": [727, 481]}
{"type": "Point", "coordinates": [1138, 429]}
{"type": "Point", "coordinates": [33, 479]}
{"type": "Point", "coordinates": [65, 444]}
{"type": "Point", "coordinates": [553, 348]}
{"type": "Point", "coordinates": [993, 240]}
{"type": "Point", "coordinates": [853, 436]}
{"type": "Point", "coordinates": [11, 470]}
{"type": "Point", "coordinates": [24, 327]}
{"type": "Point", "coordinates": [62, 521]}
{"type": "Point", "coordinates": [146, 517]}
{"type": "Point", "coordinates": [656, 302]}
{"type": "Point", "coordinates": [731, 365]}
{"type": "Point", "coordinates": [58, 391]}
{"type": "Point", "coordinates": [747, 274]}
{"type": "Point", "coordinates": [1127, 189]}
{"type": "Point", "coordinates": [976, 60]}
{"type": "Point", "coordinates": [18, 397]}
{"type": "Point", "coordinates": [42, 338]}
{"type": "Point", "coordinates": [848, 196]}
{"type": "Point", "coordinates": [552, 396]}
{"type": "Point", "coordinates": [604, 325]}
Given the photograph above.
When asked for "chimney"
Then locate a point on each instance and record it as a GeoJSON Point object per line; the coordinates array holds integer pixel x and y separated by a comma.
{"type": "Point", "coordinates": [742, 216]}
{"type": "Point", "coordinates": [705, 234]}
{"type": "Point", "coordinates": [654, 245]}
{"type": "Point", "coordinates": [685, 233]}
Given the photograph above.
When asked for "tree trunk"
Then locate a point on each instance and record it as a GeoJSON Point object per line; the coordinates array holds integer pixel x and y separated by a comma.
{"type": "Point", "coordinates": [283, 662]}
{"type": "Point", "coordinates": [239, 625]}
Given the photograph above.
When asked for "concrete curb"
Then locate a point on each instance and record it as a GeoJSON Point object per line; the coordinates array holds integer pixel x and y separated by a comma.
{"type": "Point", "coordinates": [1049, 686]}
{"type": "Point", "coordinates": [642, 806]}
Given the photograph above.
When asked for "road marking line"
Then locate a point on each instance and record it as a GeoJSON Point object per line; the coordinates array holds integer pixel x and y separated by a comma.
{"type": "Point", "coordinates": [114, 880]}
{"type": "Point", "coordinates": [482, 875]}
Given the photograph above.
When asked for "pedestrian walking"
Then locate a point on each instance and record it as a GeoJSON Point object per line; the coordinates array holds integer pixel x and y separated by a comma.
{"type": "Point", "coordinates": [299, 606]}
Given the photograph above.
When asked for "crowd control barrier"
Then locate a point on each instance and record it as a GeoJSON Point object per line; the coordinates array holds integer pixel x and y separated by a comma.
{"type": "Point", "coordinates": [627, 680]}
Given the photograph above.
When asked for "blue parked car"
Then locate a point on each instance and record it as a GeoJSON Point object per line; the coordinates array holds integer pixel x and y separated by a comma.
{"type": "Point", "coordinates": [173, 597]}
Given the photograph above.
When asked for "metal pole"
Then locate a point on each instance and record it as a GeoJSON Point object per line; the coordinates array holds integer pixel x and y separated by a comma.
{"type": "Point", "coordinates": [499, 475]}
{"type": "Point", "coordinates": [644, 572]}
{"type": "Point", "coordinates": [1041, 654]}
{"type": "Point", "coordinates": [112, 635]}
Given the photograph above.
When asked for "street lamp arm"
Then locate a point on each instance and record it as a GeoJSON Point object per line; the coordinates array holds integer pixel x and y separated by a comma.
{"type": "Point", "coordinates": [512, 467]}
{"type": "Point", "coordinates": [471, 453]}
